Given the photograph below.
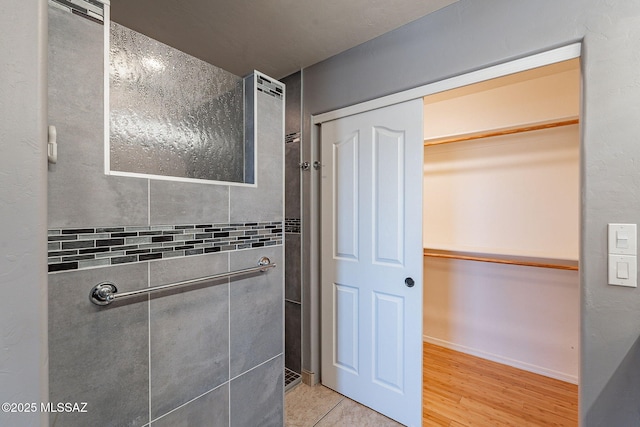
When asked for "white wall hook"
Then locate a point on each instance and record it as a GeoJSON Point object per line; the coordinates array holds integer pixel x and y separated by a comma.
{"type": "Point", "coordinates": [52, 145]}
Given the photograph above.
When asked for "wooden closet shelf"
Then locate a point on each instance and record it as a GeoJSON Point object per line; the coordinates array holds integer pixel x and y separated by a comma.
{"type": "Point", "coordinates": [566, 121]}
{"type": "Point", "coordinates": [499, 259]}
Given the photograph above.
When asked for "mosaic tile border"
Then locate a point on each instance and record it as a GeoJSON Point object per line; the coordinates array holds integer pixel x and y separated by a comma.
{"type": "Point", "coordinates": [270, 87]}
{"type": "Point", "coordinates": [78, 248]}
{"type": "Point", "coordinates": [292, 137]}
{"type": "Point", "coordinates": [292, 225]}
{"type": "Point", "coordinates": [90, 9]}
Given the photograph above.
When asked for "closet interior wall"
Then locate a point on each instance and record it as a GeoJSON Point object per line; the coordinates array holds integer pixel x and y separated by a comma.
{"type": "Point", "coordinates": [508, 197]}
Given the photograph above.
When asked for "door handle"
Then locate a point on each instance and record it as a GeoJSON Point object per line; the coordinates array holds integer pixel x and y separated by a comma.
{"type": "Point", "coordinates": [409, 282]}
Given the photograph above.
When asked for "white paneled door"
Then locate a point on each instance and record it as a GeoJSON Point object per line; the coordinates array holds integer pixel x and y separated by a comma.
{"type": "Point", "coordinates": [372, 259]}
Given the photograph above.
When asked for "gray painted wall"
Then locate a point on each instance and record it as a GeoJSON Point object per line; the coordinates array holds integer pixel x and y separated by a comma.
{"type": "Point", "coordinates": [23, 209]}
{"type": "Point", "coordinates": [210, 355]}
{"type": "Point", "coordinates": [469, 35]}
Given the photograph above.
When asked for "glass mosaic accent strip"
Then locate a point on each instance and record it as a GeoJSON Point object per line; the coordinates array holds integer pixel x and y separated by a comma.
{"type": "Point", "coordinates": [78, 248]}
{"type": "Point", "coordinates": [90, 9]}
{"type": "Point", "coordinates": [270, 87]}
{"type": "Point", "coordinates": [292, 225]}
{"type": "Point", "coordinates": [292, 137]}
{"type": "Point", "coordinates": [172, 114]}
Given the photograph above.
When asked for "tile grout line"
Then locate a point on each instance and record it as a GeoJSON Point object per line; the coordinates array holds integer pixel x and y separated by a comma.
{"type": "Point", "coordinates": [149, 333]}
{"type": "Point", "coordinates": [149, 295]}
{"type": "Point", "coordinates": [257, 366]}
{"type": "Point", "coordinates": [148, 202]}
{"type": "Point", "coordinates": [329, 411]}
{"type": "Point", "coordinates": [188, 402]}
{"type": "Point", "coordinates": [229, 335]}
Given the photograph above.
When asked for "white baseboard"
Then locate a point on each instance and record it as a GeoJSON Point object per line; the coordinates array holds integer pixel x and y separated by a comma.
{"type": "Point", "coordinates": [504, 360]}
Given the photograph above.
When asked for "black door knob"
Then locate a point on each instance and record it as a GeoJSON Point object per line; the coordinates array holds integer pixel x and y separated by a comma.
{"type": "Point", "coordinates": [409, 282]}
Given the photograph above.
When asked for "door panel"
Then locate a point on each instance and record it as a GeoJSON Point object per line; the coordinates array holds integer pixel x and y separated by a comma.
{"type": "Point", "coordinates": [346, 336]}
{"type": "Point", "coordinates": [388, 357]}
{"type": "Point", "coordinates": [345, 159]}
{"type": "Point", "coordinates": [388, 147]}
{"type": "Point", "coordinates": [371, 227]}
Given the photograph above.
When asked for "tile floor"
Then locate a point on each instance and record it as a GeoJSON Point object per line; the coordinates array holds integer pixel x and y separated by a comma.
{"type": "Point", "coordinates": [319, 406]}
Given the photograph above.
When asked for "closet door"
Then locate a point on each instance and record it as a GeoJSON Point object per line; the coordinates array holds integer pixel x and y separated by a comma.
{"type": "Point", "coordinates": [372, 259]}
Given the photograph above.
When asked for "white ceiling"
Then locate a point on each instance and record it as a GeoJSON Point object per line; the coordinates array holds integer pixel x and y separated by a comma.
{"type": "Point", "coordinates": [276, 37]}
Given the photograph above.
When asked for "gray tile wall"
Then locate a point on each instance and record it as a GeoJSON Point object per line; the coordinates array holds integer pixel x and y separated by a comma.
{"type": "Point", "coordinates": [80, 194]}
{"type": "Point", "coordinates": [99, 354]}
{"type": "Point", "coordinates": [252, 396]}
{"type": "Point", "coordinates": [292, 330]}
{"type": "Point", "coordinates": [293, 127]}
{"type": "Point", "coordinates": [210, 409]}
{"type": "Point", "coordinates": [293, 274]}
{"type": "Point", "coordinates": [189, 342]}
{"type": "Point", "coordinates": [211, 354]}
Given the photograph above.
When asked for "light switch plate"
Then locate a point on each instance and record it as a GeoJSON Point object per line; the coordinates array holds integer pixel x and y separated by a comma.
{"type": "Point", "coordinates": [623, 239]}
{"type": "Point", "coordinates": [623, 270]}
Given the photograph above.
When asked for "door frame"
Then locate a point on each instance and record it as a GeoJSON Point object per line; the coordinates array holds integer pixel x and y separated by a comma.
{"type": "Point", "coordinates": [312, 212]}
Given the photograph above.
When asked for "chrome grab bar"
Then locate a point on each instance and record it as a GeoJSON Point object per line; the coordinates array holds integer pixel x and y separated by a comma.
{"type": "Point", "coordinates": [105, 293]}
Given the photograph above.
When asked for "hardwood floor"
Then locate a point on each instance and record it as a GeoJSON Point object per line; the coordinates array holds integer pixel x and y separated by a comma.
{"type": "Point", "coordinates": [460, 390]}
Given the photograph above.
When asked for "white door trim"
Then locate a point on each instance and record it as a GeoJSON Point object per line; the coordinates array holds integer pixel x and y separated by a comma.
{"type": "Point", "coordinates": [553, 56]}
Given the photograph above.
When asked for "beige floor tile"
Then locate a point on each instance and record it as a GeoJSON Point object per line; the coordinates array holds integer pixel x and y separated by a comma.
{"type": "Point", "coordinates": [351, 414]}
{"type": "Point", "coordinates": [305, 405]}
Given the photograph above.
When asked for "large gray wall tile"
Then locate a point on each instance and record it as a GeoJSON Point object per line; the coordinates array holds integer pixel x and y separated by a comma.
{"type": "Point", "coordinates": [264, 202]}
{"type": "Point", "coordinates": [293, 124]}
{"type": "Point", "coordinates": [99, 355]}
{"type": "Point", "coordinates": [292, 336]}
{"type": "Point", "coordinates": [212, 409]}
{"type": "Point", "coordinates": [293, 85]}
{"type": "Point", "coordinates": [80, 194]}
{"type": "Point", "coordinates": [257, 396]}
{"type": "Point", "coordinates": [292, 272]}
{"type": "Point", "coordinates": [257, 326]}
{"type": "Point", "coordinates": [188, 203]}
{"type": "Point", "coordinates": [189, 332]}
{"type": "Point", "coordinates": [292, 180]}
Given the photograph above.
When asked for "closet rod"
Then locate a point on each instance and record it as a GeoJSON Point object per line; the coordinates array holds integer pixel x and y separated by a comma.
{"type": "Point", "coordinates": [514, 261]}
{"type": "Point", "coordinates": [503, 131]}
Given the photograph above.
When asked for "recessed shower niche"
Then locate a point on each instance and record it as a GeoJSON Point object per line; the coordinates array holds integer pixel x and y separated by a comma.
{"type": "Point", "coordinates": [173, 116]}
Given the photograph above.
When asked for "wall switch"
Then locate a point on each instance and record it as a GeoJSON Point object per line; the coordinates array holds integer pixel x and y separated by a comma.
{"type": "Point", "coordinates": [623, 270]}
{"type": "Point", "coordinates": [623, 239]}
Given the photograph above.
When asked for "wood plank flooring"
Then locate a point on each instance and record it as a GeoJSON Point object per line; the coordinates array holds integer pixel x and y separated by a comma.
{"type": "Point", "coordinates": [460, 390]}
